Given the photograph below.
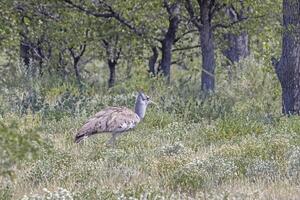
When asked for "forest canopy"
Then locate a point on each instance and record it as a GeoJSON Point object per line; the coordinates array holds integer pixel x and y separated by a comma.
{"type": "Point", "coordinates": [223, 73]}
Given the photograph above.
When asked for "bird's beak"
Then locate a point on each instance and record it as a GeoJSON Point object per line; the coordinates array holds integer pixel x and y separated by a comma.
{"type": "Point", "coordinates": [153, 102]}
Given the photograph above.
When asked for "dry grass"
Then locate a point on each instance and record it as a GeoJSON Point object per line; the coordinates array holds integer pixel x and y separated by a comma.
{"type": "Point", "coordinates": [235, 145]}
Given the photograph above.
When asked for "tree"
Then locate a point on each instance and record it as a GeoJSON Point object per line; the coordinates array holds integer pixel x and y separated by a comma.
{"type": "Point", "coordinates": [203, 23]}
{"type": "Point", "coordinates": [51, 37]}
{"type": "Point", "coordinates": [113, 52]}
{"type": "Point", "coordinates": [152, 60]}
{"type": "Point", "coordinates": [143, 25]}
{"type": "Point", "coordinates": [76, 58]}
{"type": "Point", "coordinates": [170, 36]}
{"type": "Point", "coordinates": [204, 19]}
{"type": "Point", "coordinates": [237, 43]}
{"type": "Point", "coordinates": [33, 48]}
{"type": "Point", "coordinates": [109, 27]}
{"type": "Point", "coordinates": [288, 66]}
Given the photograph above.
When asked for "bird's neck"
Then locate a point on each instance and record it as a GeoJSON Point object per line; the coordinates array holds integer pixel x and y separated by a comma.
{"type": "Point", "coordinates": [140, 109]}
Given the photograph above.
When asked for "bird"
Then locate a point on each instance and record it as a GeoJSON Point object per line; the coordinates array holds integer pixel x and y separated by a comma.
{"type": "Point", "coordinates": [115, 120]}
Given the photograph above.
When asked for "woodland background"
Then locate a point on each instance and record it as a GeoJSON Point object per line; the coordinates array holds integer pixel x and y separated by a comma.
{"type": "Point", "coordinates": [225, 126]}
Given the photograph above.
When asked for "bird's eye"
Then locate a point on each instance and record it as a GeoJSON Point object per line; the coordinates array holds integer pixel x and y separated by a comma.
{"type": "Point", "coordinates": [147, 98]}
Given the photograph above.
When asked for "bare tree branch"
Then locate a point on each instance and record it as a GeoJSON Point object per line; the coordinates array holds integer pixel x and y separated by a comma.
{"type": "Point", "coordinates": [167, 6]}
{"type": "Point", "coordinates": [89, 12]}
{"type": "Point", "coordinates": [109, 13]}
{"type": "Point", "coordinates": [216, 8]}
{"type": "Point", "coordinates": [184, 34]}
{"type": "Point", "coordinates": [193, 17]}
{"type": "Point", "coordinates": [220, 25]}
{"type": "Point", "coordinates": [186, 48]}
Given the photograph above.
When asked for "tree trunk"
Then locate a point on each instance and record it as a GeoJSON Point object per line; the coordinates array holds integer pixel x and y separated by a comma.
{"type": "Point", "coordinates": [238, 46]}
{"type": "Point", "coordinates": [152, 61]}
{"type": "Point", "coordinates": [288, 67]}
{"type": "Point", "coordinates": [62, 63]}
{"type": "Point", "coordinates": [25, 49]}
{"type": "Point", "coordinates": [25, 53]}
{"type": "Point", "coordinates": [207, 48]}
{"type": "Point", "coordinates": [113, 53]}
{"type": "Point", "coordinates": [166, 57]}
{"type": "Point", "coordinates": [77, 73]}
{"type": "Point", "coordinates": [27, 57]}
{"type": "Point", "coordinates": [112, 72]}
{"type": "Point", "coordinates": [76, 58]}
{"type": "Point", "coordinates": [169, 38]}
{"type": "Point", "coordinates": [40, 58]}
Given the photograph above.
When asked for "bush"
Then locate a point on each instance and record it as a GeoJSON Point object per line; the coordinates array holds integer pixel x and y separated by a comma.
{"type": "Point", "coordinates": [220, 146]}
{"type": "Point", "coordinates": [293, 163]}
{"type": "Point", "coordinates": [18, 145]}
{"type": "Point", "coordinates": [235, 126]}
{"type": "Point", "coordinates": [262, 169]}
{"type": "Point", "coordinates": [60, 193]}
{"type": "Point", "coordinates": [49, 167]}
{"type": "Point", "coordinates": [204, 172]}
{"type": "Point", "coordinates": [6, 191]}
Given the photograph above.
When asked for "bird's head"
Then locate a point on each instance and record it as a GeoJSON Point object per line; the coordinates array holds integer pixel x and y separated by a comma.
{"type": "Point", "coordinates": [141, 104]}
{"type": "Point", "coordinates": [144, 99]}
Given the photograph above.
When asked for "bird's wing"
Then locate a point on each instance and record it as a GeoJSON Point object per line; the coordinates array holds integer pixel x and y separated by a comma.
{"type": "Point", "coordinates": [97, 123]}
{"type": "Point", "coordinates": [121, 120]}
{"type": "Point", "coordinates": [111, 119]}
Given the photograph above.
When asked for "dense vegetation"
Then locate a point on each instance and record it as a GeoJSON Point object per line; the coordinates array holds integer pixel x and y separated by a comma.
{"type": "Point", "coordinates": [209, 138]}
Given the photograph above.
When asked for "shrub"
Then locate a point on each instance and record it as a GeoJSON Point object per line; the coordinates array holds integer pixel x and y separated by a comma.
{"type": "Point", "coordinates": [6, 191]}
{"type": "Point", "coordinates": [293, 163]}
{"type": "Point", "coordinates": [59, 194]}
{"type": "Point", "coordinates": [262, 169]}
{"type": "Point", "coordinates": [49, 167]}
{"type": "Point", "coordinates": [205, 172]}
{"type": "Point", "coordinates": [18, 145]}
{"type": "Point", "coordinates": [235, 126]}
{"type": "Point", "coordinates": [172, 150]}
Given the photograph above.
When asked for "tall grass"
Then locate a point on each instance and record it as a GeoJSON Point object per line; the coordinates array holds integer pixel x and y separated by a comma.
{"type": "Point", "coordinates": [233, 144]}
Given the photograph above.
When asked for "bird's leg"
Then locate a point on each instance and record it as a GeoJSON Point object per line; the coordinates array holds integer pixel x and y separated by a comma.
{"type": "Point", "coordinates": [112, 140]}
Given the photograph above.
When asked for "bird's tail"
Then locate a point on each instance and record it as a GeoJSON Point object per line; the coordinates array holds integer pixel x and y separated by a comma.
{"type": "Point", "coordinates": [80, 137]}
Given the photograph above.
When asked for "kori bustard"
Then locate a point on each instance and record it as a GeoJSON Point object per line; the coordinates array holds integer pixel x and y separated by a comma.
{"type": "Point", "coordinates": [115, 120]}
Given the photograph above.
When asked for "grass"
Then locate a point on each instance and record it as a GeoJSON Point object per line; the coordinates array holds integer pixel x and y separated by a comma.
{"type": "Point", "coordinates": [233, 145]}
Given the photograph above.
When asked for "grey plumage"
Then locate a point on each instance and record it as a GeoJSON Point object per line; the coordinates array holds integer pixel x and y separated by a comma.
{"type": "Point", "coordinates": [115, 120]}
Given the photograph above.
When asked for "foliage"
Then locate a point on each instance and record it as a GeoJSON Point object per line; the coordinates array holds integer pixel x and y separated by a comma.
{"type": "Point", "coordinates": [185, 148]}
{"type": "Point", "coordinates": [17, 146]}
{"type": "Point", "coordinates": [61, 193]}
{"type": "Point", "coordinates": [232, 144]}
